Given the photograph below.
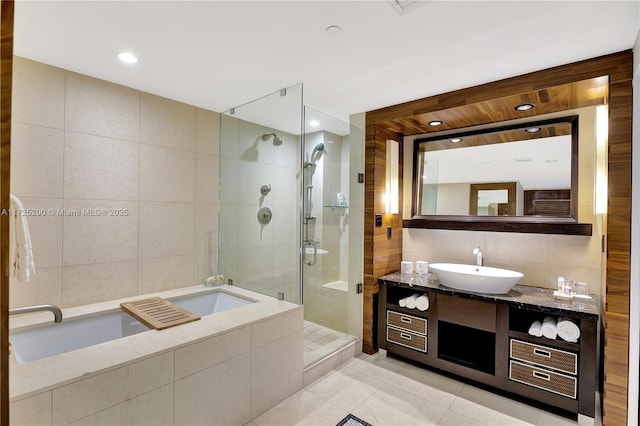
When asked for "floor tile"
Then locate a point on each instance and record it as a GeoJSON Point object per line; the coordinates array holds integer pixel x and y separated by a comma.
{"type": "Point", "coordinates": [549, 419]}
{"type": "Point", "coordinates": [302, 408]}
{"type": "Point", "coordinates": [346, 387]}
{"type": "Point", "coordinates": [451, 418]}
{"type": "Point", "coordinates": [493, 409]}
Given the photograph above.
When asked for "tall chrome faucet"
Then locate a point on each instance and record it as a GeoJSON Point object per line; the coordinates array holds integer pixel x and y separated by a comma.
{"type": "Point", "coordinates": [57, 313]}
{"type": "Point", "coordinates": [479, 258]}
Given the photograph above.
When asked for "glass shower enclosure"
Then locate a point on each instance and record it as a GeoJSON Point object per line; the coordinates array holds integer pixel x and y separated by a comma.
{"type": "Point", "coordinates": [290, 218]}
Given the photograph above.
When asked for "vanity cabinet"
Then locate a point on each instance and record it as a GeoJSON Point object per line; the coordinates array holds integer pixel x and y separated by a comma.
{"type": "Point", "coordinates": [485, 338]}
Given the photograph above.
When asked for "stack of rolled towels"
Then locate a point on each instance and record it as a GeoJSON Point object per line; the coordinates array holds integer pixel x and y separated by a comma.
{"type": "Point", "coordinates": [415, 301]}
{"type": "Point", "coordinates": [550, 328]}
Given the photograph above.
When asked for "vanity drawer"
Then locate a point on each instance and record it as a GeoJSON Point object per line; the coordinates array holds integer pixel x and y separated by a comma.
{"type": "Point", "coordinates": [543, 379]}
{"type": "Point", "coordinates": [408, 322]}
{"type": "Point", "coordinates": [544, 356]}
{"type": "Point", "coordinates": [407, 338]}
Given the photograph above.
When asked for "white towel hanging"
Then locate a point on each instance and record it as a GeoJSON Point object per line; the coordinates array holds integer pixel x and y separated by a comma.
{"type": "Point", "coordinates": [21, 262]}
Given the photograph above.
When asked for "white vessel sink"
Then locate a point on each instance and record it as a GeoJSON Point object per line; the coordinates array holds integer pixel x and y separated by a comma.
{"type": "Point", "coordinates": [479, 279]}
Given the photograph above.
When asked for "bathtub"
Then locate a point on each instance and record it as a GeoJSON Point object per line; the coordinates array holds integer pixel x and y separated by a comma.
{"type": "Point", "coordinates": [31, 343]}
{"type": "Point", "coordinates": [246, 351]}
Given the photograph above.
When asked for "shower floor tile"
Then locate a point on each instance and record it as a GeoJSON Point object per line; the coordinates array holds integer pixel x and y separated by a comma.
{"type": "Point", "coordinates": [320, 341]}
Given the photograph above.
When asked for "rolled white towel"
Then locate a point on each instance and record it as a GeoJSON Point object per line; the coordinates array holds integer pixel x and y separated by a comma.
{"type": "Point", "coordinates": [568, 330]}
{"type": "Point", "coordinates": [422, 302]}
{"type": "Point", "coordinates": [411, 301]}
{"type": "Point", "coordinates": [402, 302]}
{"type": "Point", "coordinates": [535, 329]}
{"type": "Point", "coordinates": [549, 329]}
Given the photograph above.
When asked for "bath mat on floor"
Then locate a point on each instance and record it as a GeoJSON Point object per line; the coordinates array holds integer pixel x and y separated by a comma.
{"type": "Point", "coordinates": [158, 313]}
{"type": "Point", "coordinates": [352, 420]}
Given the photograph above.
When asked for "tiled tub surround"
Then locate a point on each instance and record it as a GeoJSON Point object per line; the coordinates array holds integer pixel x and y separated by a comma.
{"type": "Point", "coordinates": [226, 369]}
{"type": "Point", "coordinates": [84, 143]}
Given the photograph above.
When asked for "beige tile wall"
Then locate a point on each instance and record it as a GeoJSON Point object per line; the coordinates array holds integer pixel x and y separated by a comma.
{"type": "Point", "coordinates": [83, 143]}
{"type": "Point", "coordinates": [541, 258]}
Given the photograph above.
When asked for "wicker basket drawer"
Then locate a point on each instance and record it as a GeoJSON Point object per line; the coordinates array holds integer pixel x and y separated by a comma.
{"type": "Point", "coordinates": [408, 322]}
{"type": "Point", "coordinates": [406, 338]}
{"type": "Point", "coordinates": [543, 379]}
{"type": "Point", "coordinates": [544, 356]}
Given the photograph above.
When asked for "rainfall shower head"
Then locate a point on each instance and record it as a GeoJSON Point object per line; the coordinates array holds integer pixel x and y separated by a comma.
{"type": "Point", "coordinates": [277, 141]}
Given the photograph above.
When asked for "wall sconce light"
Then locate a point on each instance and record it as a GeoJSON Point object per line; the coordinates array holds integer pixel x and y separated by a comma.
{"type": "Point", "coordinates": [602, 141]}
{"type": "Point", "coordinates": [391, 190]}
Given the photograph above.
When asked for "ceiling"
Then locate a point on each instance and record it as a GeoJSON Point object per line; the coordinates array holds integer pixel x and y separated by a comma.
{"type": "Point", "coordinates": [221, 54]}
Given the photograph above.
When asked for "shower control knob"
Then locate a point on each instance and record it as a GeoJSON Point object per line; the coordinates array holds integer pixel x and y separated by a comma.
{"type": "Point", "coordinates": [264, 215]}
{"type": "Point", "coordinates": [265, 189]}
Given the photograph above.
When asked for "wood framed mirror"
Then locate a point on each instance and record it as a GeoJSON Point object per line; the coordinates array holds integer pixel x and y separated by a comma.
{"type": "Point", "coordinates": [527, 159]}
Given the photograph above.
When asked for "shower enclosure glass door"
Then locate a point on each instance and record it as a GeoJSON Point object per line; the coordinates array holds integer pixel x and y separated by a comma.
{"type": "Point", "coordinates": [259, 219]}
{"type": "Point", "coordinates": [331, 234]}
{"type": "Point", "coordinates": [290, 219]}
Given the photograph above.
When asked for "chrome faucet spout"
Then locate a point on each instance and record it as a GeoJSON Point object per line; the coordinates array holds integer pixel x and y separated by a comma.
{"type": "Point", "coordinates": [57, 313]}
{"type": "Point", "coordinates": [479, 258]}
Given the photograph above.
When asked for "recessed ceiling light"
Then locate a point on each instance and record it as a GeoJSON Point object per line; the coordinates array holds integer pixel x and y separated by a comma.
{"type": "Point", "coordinates": [435, 123]}
{"type": "Point", "coordinates": [522, 159]}
{"type": "Point", "coordinates": [456, 140]}
{"type": "Point", "coordinates": [314, 123]}
{"type": "Point", "coordinates": [551, 161]}
{"type": "Point", "coordinates": [333, 30]}
{"type": "Point", "coordinates": [127, 57]}
{"type": "Point", "coordinates": [532, 129]}
{"type": "Point", "coordinates": [524, 107]}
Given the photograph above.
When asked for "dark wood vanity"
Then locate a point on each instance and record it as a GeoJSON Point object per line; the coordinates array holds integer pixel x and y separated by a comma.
{"type": "Point", "coordinates": [484, 337]}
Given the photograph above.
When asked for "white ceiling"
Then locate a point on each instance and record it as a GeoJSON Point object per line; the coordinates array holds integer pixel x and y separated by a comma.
{"type": "Point", "coordinates": [221, 54]}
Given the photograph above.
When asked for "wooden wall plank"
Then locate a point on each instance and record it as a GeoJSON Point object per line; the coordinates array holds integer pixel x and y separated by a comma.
{"type": "Point", "coordinates": [381, 256]}
{"type": "Point", "coordinates": [6, 74]}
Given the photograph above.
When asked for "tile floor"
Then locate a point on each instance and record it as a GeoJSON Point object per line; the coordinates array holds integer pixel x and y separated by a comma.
{"type": "Point", "coordinates": [388, 391]}
{"type": "Point", "coordinates": [321, 341]}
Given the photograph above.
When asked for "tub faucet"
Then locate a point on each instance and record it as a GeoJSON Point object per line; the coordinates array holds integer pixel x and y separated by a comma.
{"type": "Point", "coordinates": [478, 253]}
{"type": "Point", "coordinates": [57, 313]}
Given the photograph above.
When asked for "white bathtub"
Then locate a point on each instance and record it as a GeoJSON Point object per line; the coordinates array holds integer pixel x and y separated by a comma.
{"type": "Point", "coordinates": [32, 343]}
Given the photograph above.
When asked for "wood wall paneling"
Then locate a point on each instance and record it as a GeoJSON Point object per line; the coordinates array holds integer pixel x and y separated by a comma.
{"type": "Point", "coordinates": [381, 256]}
{"type": "Point", "coordinates": [6, 74]}
{"type": "Point", "coordinates": [615, 71]}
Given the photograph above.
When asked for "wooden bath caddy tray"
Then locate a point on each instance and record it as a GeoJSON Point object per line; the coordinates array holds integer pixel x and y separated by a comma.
{"type": "Point", "coordinates": [158, 313]}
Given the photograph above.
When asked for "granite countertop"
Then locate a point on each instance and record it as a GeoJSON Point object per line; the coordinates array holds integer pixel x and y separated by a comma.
{"type": "Point", "coordinates": [522, 296]}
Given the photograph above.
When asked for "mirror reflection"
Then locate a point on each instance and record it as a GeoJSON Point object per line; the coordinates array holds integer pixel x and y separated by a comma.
{"type": "Point", "coordinates": [526, 169]}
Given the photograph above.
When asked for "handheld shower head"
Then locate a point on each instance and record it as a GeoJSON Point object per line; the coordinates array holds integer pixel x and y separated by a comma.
{"type": "Point", "coordinates": [277, 141]}
{"type": "Point", "coordinates": [317, 152]}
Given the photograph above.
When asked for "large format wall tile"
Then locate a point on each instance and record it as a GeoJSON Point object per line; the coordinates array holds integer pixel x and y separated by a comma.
{"type": "Point", "coordinates": [100, 168]}
{"type": "Point", "coordinates": [93, 239]}
{"type": "Point", "coordinates": [276, 372]}
{"type": "Point", "coordinates": [165, 273]}
{"type": "Point", "coordinates": [215, 350]}
{"type": "Point", "coordinates": [167, 123]}
{"type": "Point", "coordinates": [36, 161]}
{"type": "Point", "coordinates": [207, 178]}
{"type": "Point", "coordinates": [166, 174]}
{"type": "Point", "coordinates": [80, 399]}
{"type": "Point", "coordinates": [207, 132]}
{"type": "Point", "coordinates": [101, 108]}
{"type": "Point", "coordinates": [219, 395]}
{"type": "Point", "coordinates": [45, 287]}
{"type": "Point", "coordinates": [98, 282]}
{"type": "Point", "coordinates": [34, 410]}
{"type": "Point", "coordinates": [166, 229]}
{"type": "Point", "coordinates": [38, 94]}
